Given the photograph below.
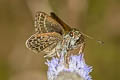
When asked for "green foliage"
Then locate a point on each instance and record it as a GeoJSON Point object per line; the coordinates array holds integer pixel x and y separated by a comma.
{"type": "Point", "coordinates": [4, 74]}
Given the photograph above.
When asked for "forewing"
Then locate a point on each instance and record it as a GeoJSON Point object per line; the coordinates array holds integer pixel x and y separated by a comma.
{"type": "Point", "coordinates": [66, 27]}
{"type": "Point", "coordinates": [45, 23]}
{"type": "Point", "coordinates": [44, 42]}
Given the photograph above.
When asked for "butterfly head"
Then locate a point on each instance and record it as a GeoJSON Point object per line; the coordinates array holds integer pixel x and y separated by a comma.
{"type": "Point", "coordinates": [76, 38]}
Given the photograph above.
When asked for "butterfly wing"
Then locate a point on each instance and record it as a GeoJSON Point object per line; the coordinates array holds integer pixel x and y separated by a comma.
{"type": "Point", "coordinates": [66, 27]}
{"type": "Point", "coordinates": [44, 42]}
{"type": "Point", "coordinates": [45, 23]}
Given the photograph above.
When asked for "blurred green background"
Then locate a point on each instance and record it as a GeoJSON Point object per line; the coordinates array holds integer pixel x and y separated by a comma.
{"type": "Point", "coordinates": [97, 18]}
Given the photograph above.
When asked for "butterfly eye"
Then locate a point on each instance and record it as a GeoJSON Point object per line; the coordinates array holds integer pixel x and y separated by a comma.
{"type": "Point", "coordinates": [71, 34]}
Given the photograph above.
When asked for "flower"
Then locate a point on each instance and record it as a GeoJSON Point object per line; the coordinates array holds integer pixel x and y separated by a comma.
{"type": "Point", "coordinates": [76, 65]}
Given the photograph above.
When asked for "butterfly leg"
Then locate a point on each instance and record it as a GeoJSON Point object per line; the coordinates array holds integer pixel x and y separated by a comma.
{"type": "Point", "coordinates": [81, 48]}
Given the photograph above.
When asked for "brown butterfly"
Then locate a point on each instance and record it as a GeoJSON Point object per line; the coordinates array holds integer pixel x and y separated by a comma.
{"type": "Point", "coordinates": [52, 36]}
{"type": "Point", "coordinates": [55, 38]}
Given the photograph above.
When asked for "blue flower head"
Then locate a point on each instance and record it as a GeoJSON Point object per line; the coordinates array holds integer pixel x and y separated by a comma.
{"type": "Point", "coordinates": [76, 65]}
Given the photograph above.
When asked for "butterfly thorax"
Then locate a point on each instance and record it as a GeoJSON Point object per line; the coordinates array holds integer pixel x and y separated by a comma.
{"type": "Point", "coordinates": [72, 40]}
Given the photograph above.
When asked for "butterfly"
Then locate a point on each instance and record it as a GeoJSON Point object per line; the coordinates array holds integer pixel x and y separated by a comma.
{"type": "Point", "coordinates": [54, 37]}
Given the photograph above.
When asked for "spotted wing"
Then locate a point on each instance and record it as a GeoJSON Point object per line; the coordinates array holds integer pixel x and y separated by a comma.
{"type": "Point", "coordinates": [44, 42]}
{"type": "Point", "coordinates": [45, 23]}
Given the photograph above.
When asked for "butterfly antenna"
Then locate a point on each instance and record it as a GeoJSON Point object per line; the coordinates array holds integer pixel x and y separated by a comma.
{"type": "Point", "coordinates": [99, 41]}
